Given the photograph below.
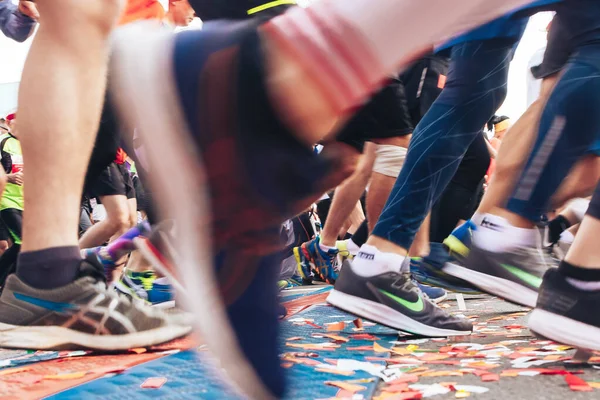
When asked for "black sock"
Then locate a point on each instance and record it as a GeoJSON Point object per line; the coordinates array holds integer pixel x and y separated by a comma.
{"type": "Point", "coordinates": [49, 268]}
{"type": "Point", "coordinates": [579, 273]}
{"type": "Point", "coordinates": [362, 234]}
{"type": "Point", "coordinates": [557, 226]}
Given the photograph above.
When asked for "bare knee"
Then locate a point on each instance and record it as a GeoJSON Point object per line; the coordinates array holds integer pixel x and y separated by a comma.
{"type": "Point", "coordinates": [78, 16]}
{"type": "Point", "coordinates": [118, 221]}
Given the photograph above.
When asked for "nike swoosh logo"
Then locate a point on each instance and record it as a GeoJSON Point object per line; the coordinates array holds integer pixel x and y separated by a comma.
{"type": "Point", "coordinates": [416, 306]}
{"type": "Point", "coordinates": [48, 305]}
{"type": "Point", "coordinates": [526, 277]}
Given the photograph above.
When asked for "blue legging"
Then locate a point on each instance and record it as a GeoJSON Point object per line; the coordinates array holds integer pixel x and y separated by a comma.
{"type": "Point", "coordinates": [569, 128]}
{"type": "Point", "coordinates": [475, 89]}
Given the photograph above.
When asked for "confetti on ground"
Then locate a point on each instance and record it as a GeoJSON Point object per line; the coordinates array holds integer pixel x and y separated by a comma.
{"type": "Point", "coordinates": [153, 383]}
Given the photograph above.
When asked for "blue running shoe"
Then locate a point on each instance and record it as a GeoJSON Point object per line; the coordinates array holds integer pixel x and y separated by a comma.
{"type": "Point", "coordinates": [459, 241]}
{"type": "Point", "coordinates": [323, 263]}
{"type": "Point", "coordinates": [240, 174]}
{"type": "Point", "coordinates": [143, 286]}
{"type": "Point", "coordinates": [429, 271]}
{"type": "Point", "coordinates": [435, 294]}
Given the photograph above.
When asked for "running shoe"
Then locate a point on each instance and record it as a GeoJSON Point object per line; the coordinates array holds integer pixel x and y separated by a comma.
{"type": "Point", "coordinates": [304, 268]}
{"type": "Point", "coordinates": [392, 299]}
{"type": "Point", "coordinates": [143, 286]}
{"type": "Point", "coordinates": [459, 241]}
{"type": "Point", "coordinates": [291, 283]}
{"type": "Point", "coordinates": [566, 314]}
{"type": "Point", "coordinates": [514, 275]}
{"type": "Point", "coordinates": [429, 271]}
{"type": "Point", "coordinates": [343, 252]}
{"type": "Point", "coordinates": [82, 315]}
{"type": "Point", "coordinates": [322, 263]}
{"type": "Point", "coordinates": [435, 294]}
{"type": "Point", "coordinates": [240, 174]}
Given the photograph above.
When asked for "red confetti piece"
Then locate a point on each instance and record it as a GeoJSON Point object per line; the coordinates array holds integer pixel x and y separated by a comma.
{"type": "Point", "coordinates": [358, 323]}
{"type": "Point", "coordinates": [153, 383]}
{"type": "Point", "coordinates": [577, 384]}
{"type": "Point", "coordinates": [314, 325]}
{"type": "Point", "coordinates": [490, 378]}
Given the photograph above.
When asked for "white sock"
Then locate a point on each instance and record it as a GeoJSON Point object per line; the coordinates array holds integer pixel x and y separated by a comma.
{"type": "Point", "coordinates": [352, 247]}
{"type": "Point", "coordinates": [477, 218]}
{"type": "Point", "coordinates": [584, 285]}
{"type": "Point", "coordinates": [567, 237]}
{"type": "Point", "coordinates": [370, 261]}
{"type": "Point", "coordinates": [350, 46]}
{"type": "Point", "coordinates": [498, 235]}
{"type": "Point", "coordinates": [325, 248]}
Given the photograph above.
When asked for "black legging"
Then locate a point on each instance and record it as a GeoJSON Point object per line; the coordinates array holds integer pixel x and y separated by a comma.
{"type": "Point", "coordinates": [463, 194]}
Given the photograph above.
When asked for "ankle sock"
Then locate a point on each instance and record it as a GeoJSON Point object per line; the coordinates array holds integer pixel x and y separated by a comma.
{"type": "Point", "coordinates": [352, 247]}
{"type": "Point", "coordinates": [582, 278]}
{"type": "Point", "coordinates": [370, 261]}
{"type": "Point", "coordinates": [496, 234]}
{"type": "Point", "coordinates": [49, 268]}
{"type": "Point", "coordinates": [326, 248]}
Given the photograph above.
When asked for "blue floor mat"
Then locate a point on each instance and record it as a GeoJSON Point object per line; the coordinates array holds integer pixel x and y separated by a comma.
{"type": "Point", "coordinates": [190, 376]}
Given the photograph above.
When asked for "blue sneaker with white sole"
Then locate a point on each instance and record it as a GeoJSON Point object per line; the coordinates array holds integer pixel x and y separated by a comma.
{"type": "Point", "coordinates": [429, 271]}
{"type": "Point", "coordinates": [459, 241]}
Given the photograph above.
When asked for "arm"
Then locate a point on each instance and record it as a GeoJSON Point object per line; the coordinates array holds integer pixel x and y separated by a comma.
{"type": "Point", "coordinates": [14, 23]}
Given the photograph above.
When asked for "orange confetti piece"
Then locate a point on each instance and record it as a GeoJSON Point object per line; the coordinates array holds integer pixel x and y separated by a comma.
{"type": "Point", "coordinates": [434, 357]}
{"type": "Point", "coordinates": [490, 378]}
{"type": "Point", "coordinates": [65, 377]}
{"type": "Point", "coordinates": [338, 326]}
{"type": "Point", "coordinates": [358, 323]}
{"type": "Point", "coordinates": [335, 337]}
{"type": "Point", "coordinates": [287, 365]}
{"type": "Point", "coordinates": [293, 339]}
{"type": "Point", "coordinates": [363, 336]}
{"type": "Point", "coordinates": [398, 387]}
{"type": "Point", "coordinates": [377, 348]}
{"type": "Point", "coordinates": [138, 350]}
{"type": "Point", "coordinates": [349, 387]}
{"type": "Point", "coordinates": [14, 371]}
{"type": "Point", "coordinates": [153, 383]}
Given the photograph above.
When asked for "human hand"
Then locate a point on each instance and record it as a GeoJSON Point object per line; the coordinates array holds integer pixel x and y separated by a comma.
{"type": "Point", "coordinates": [29, 8]}
{"type": "Point", "coordinates": [16, 178]}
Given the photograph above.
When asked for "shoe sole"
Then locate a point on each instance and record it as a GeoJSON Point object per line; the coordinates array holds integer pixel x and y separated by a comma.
{"type": "Point", "coordinates": [134, 97]}
{"type": "Point", "coordinates": [508, 290]}
{"type": "Point", "coordinates": [60, 338]}
{"type": "Point", "coordinates": [564, 330]}
{"type": "Point", "coordinates": [387, 316]}
{"type": "Point", "coordinates": [455, 246]}
{"type": "Point", "coordinates": [438, 300]}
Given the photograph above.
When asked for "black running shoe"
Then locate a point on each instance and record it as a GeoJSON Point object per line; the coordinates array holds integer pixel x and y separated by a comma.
{"type": "Point", "coordinates": [392, 299]}
{"type": "Point", "coordinates": [515, 275]}
{"type": "Point", "coordinates": [566, 314]}
{"type": "Point", "coordinates": [84, 314]}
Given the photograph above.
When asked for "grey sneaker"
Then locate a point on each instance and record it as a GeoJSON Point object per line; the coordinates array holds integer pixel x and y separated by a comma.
{"type": "Point", "coordinates": [392, 299]}
{"type": "Point", "coordinates": [82, 315]}
{"type": "Point", "coordinates": [515, 276]}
